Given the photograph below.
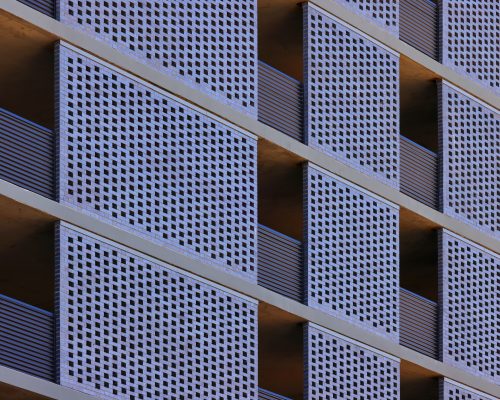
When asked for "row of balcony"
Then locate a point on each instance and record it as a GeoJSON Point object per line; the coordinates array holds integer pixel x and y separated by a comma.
{"type": "Point", "coordinates": [418, 22]}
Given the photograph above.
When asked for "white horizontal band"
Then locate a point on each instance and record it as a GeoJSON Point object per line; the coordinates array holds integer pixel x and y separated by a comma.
{"type": "Point", "coordinates": [156, 261]}
{"type": "Point", "coordinates": [343, 180]}
{"type": "Point", "coordinates": [156, 89]}
{"type": "Point", "coordinates": [469, 389]}
{"type": "Point", "coordinates": [477, 246]}
{"type": "Point", "coordinates": [471, 97]}
{"type": "Point", "coordinates": [353, 341]}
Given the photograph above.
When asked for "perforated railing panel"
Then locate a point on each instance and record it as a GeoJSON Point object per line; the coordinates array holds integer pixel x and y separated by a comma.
{"type": "Point", "coordinates": [211, 45]}
{"type": "Point", "coordinates": [470, 147]}
{"type": "Point", "coordinates": [352, 254]}
{"type": "Point", "coordinates": [470, 305]}
{"type": "Point", "coordinates": [470, 44]}
{"type": "Point", "coordinates": [351, 92]}
{"type": "Point", "coordinates": [340, 369]}
{"type": "Point", "coordinates": [150, 164]}
{"type": "Point", "coordinates": [131, 328]}
{"type": "Point", "coordinates": [451, 391]}
{"type": "Point", "coordinates": [385, 13]}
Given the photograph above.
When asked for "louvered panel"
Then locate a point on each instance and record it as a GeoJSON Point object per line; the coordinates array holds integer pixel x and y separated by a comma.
{"type": "Point", "coordinates": [46, 7]}
{"type": "Point", "coordinates": [268, 395]}
{"type": "Point", "coordinates": [419, 173]}
{"type": "Point", "coordinates": [418, 325]}
{"type": "Point", "coordinates": [280, 101]}
{"type": "Point", "coordinates": [419, 25]}
{"type": "Point", "coordinates": [26, 154]}
{"type": "Point", "coordinates": [26, 338]}
{"type": "Point", "coordinates": [280, 263]}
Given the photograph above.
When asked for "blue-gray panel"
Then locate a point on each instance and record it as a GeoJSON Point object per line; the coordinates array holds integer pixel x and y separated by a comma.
{"type": "Point", "coordinates": [280, 263]}
{"type": "Point", "coordinates": [26, 338]}
{"type": "Point", "coordinates": [419, 173]}
{"type": "Point", "coordinates": [418, 323]}
{"type": "Point", "coordinates": [46, 7]}
{"type": "Point", "coordinates": [26, 154]}
{"type": "Point", "coordinates": [280, 101]}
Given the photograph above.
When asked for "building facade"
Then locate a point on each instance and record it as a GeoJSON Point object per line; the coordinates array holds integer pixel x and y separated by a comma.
{"type": "Point", "coordinates": [252, 199]}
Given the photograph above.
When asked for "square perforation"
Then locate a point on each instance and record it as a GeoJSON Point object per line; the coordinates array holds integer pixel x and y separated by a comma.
{"type": "Point", "coordinates": [130, 328]}
{"type": "Point", "coordinates": [384, 13]}
{"type": "Point", "coordinates": [470, 150]}
{"type": "Point", "coordinates": [340, 369]}
{"type": "Point", "coordinates": [152, 165]}
{"type": "Point", "coordinates": [352, 97]}
{"type": "Point", "coordinates": [470, 39]}
{"type": "Point", "coordinates": [449, 391]}
{"type": "Point", "coordinates": [470, 305]}
{"type": "Point", "coordinates": [352, 253]}
{"type": "Point", "coordinates": [211, 45]}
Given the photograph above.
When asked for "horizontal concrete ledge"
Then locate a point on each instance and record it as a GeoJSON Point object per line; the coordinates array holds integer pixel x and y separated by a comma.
{"type": "Point", "coordinates": [58, 211]}
{"type": "Point", "coordinates": [38, 386]}
{"type": "Point", "coordinates": [56, 30]}
{"type": "Point", "coordinates": [371, 29]}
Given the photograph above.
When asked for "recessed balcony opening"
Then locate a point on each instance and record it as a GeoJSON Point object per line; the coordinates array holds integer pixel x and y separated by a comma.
{"type": "Point", "coordinates": [280, 195]}
{"type": "Point", "coordinates": [27, 71]}
{"type": "Point", "coordinates": [419, 104]}
{"type": "Point", "coordinates": [281, 354]}
{"type": "Point", "coordinates": [419, 284]}
{"type": "Point", "coordinates": [418, 383]}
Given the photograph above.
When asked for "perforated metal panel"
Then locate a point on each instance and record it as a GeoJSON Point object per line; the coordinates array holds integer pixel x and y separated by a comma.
{"type": "Point", "coordinates": [470, 148]}
{"type": "Point", "coordinates": [153, 165]}
{"type": "Point", "coordinates": [339, 368]}
{"type": "Point", "coordinates": [351, 96]}
{"type": "Point", "coordinates": [133, 328]}
{"type": "Point", "coordinates": [450, 390]}
{"type": "Point", "coordinates": [384, 13]}
{"type": "Point", "coordinates": [352, 253]}
{"type": "Point", "coordinates": [470, 306]}
{"type": "Point", "coordinates": [470, 44]}
{"type": "Point", "coordinates": [211, 45]}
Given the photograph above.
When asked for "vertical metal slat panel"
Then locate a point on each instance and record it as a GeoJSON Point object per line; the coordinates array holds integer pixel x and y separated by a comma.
{"type": "Point", "coordinates": [46, 7]}
{"type": "Point", "coordinates": [419, 173]}
{"type": "Point", "coordinates": [280, 263]}
{"type": "Point", "coordinates": [418, 325]}
{"type": "Point", "coordinates": [419, 25]}
{"type": "Point", "coordinates": [26, 154]}
{"type": "Point", "coordinates": [26, 338]}
{"type": "Point", "coordinates": [280, 101]}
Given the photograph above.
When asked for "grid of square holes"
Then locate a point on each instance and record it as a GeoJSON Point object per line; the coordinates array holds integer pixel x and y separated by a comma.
{"type": "Point", "coordinates": [470, 44]}
{"type": "Point", "coordinates": [340, 369]}
{"type": "Point", "coordinates": [384, 13]}
{"type": "Point", "coordinates": [352, 97]}
{"type": "Point", "coordinates": [211, 45]}
{"type": "Point", "coordinates": [470, 146]}
{"type": "Point", "coordinates": [154, 166]}
{"type": "Point", "coordinates": [470, 301]}
{"type": "Point", "coordinates": [133, 329]}
{"type": "Point", "coordinates": [451, 392]}
{"type": "Point", "coordinates": [352, 254]}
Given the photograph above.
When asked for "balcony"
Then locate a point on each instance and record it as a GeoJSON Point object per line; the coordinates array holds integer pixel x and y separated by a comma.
{"type": "Point", "coordinates": [281, 270]}
{"type": "Point", "coordinates": [27, 338]}
{"type": "Point", "coordinates": [26, 154]}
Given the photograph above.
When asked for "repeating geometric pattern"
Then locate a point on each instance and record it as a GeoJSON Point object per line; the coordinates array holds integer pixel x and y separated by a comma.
{"type": "Point", "coordinates": [352, 254]}
{"type": "Point", "coordinates": [384, 13]}
{"type": "Point", "coordinates": [150, 164]}
{"type": "Point", "coordinates": [341, 369]}
{"type": "Point", "coordinates": [470, 306]}
{"type": "Point", "coordinates": [470, 44]}
{"type": "Point", "coordinates": [209, 44]}
{"type": "Point", "coordinates": [352, 97]}
{"type": "Point", "coordinates": [470, 152]}
{"type": "Point", "coordinates": [131, 328]}
{"type": "Point", "coordinates": [449, 391]}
